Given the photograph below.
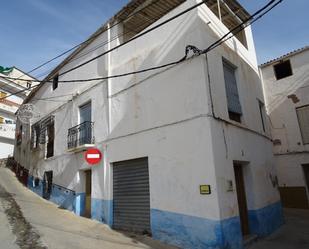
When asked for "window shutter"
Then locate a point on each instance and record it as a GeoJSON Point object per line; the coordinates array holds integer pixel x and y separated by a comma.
{"type": "Point", "coordinates": [231, 89]}
{"type": "Point", "coordinates": [43, 128]}
{"type": "Point", "coordinates": [303, 120]}
{"type": "Point", "coordinates": [32, 136]}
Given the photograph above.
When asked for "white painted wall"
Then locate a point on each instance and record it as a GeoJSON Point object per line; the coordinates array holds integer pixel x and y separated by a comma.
{"type": "Point", "coordinates": [6, 149]}
{"type": "Point", "coordinates": [164, 115]}
{"type": "Point", "coordinates": [8, 108]}
{"type": "Point", "coordinates": [292, 153]}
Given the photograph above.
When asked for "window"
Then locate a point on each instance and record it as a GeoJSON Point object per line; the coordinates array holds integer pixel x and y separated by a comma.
{"type": "Point", "coordinates": [262, 113]}
{"type": "Point", "coordinates": [85, 131]}
{"type": "Point", "coordinates": [55, 82]}
{"type": "Point", "coordinates": [85, 113]}
{"type": "Point", "coordinates": [233, 102]}
{"type": "Point", "coordinates": [283, 70]}
{"type": "Point", "coordinates": [28, 85]}
{"type": "Point", "coordinates": [303, 120]}
{"type": "Point", "coordinates": [50, 140]}
{"type": "Point", "coordinates": [35, 136]}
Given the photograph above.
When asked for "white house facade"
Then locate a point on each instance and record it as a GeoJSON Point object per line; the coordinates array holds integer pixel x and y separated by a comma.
{"type": "Point", "coordinates": [9, 104]}
{"type": "Point", "coordinates": [286, 88]}
{"type": "Point", "coordinates": [187, 152]}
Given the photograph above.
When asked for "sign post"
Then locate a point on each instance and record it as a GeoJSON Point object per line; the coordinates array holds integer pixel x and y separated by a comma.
{"type": "Point", "coordinates": [93, 156]}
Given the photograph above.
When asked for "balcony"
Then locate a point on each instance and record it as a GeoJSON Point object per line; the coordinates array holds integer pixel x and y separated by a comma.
{"type": "Point", "coordinates": [80, 137]}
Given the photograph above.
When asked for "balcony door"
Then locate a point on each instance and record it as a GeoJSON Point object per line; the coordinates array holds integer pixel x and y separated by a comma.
{"type": "Point", "coordinates": [85, 113]}
{"type": "Point", "coordinates": [85, 131]}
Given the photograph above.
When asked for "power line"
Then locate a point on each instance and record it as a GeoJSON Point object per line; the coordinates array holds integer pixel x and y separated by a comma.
{"type": "Point", "coordinates": [130, 40]}
{"type": "Point", "coordinates": [135, 37]}
{"type": "Point", "coordinates": [89, 39]}
{"type": "Point", "coordinates": [196, 52]}
{"type": "Point", "coordinates": [106, 42]}
{"type": "Point", "coordinates": [260, 13]}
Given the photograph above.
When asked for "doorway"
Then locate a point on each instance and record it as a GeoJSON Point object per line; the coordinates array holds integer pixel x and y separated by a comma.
{"type": "Point", "coordinates": [47, 184]}
{"type": "Point", "coordinates": [88, 194]}
{"type": "Point", "coordinates": [242, 199]}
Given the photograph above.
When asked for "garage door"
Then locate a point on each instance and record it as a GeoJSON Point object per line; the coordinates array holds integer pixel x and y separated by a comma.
{"type": "Point", "coordinates": [131, 196]}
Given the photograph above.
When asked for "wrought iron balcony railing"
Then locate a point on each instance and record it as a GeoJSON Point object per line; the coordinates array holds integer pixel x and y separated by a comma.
{"type": "Point", "coordinates": [80, 135]}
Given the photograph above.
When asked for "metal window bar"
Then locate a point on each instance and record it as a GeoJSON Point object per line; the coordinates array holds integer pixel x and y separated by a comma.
{"type": "Point", "coordinates": [80, 135]}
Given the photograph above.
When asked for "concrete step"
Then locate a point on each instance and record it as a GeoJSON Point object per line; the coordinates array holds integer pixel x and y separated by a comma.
{"type": "Point", "coordinates": [249, 240]}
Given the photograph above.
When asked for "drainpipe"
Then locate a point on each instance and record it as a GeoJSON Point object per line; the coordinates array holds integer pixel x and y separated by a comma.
{"type": "Point", "coordinates": [108, 80]}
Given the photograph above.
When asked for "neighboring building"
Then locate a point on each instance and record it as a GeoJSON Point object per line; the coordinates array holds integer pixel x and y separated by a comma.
{"type": "Point", "coordinates": [9, 106]}
{"type": "Point", "coordinates": [187, 152]}
{"type": "Point", "coordinates": [286, 89]}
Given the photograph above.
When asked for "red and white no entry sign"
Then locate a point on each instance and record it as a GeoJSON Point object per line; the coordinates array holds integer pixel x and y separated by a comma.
{"type": "Point", "coordinates": [93, 156]}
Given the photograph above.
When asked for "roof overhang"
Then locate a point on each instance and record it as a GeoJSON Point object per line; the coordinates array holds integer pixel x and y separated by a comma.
{"type": "Point", "coordinates": [283, 57]}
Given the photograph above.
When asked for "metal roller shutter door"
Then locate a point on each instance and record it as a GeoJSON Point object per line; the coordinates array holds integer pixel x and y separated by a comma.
{"type": "Point", "coordinates": [131, 196]}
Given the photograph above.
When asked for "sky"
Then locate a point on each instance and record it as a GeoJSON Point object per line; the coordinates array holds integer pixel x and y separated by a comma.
{"type": "Point", "coordinates": [33, 31]}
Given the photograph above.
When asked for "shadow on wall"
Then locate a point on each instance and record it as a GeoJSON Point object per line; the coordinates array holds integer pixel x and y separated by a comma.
{"type": "Point", "coordinates": [163, 54]}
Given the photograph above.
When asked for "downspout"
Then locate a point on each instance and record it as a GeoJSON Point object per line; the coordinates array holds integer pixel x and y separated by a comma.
{"type": "Point", "coordinates": [108, 90]}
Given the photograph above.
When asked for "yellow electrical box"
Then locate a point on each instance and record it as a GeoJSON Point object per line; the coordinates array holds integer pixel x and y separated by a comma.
{"type": "Point", "coordinates": [205, 190]}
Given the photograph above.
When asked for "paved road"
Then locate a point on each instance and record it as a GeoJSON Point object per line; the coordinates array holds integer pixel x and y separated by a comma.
{"type": "Point", "coordinates": [293, 235]}
{"type": "Point", "coordinates": [29, 222]}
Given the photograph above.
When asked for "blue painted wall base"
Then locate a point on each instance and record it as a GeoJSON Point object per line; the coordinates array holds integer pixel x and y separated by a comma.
{"type": "Point", "coordinates": [63, 198]}
{"type": "Point", "coordinates": [192, 232]}
{"type": "Point", "coordinates": [80, 204]}
{"type": "Point", "coordinates": [102, 210]}
{"type": "Point", "coordinates": [181, 230]}
{"type": "Point", "coordinates": [36, 189]}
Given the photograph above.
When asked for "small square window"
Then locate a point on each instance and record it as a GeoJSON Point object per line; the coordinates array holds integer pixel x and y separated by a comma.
{"type": "Point", "coordinates": [55, 82]}
{"type": "Point", "coordinates": [28, 85]}
{"type": "Point", "coordinates": [283, 70]}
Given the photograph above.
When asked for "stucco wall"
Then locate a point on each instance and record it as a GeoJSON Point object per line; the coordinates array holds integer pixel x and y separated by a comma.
{"type": "Point", "coordinates": [290, 153]}
{"type": "Point", "coordinates": [6, 148]}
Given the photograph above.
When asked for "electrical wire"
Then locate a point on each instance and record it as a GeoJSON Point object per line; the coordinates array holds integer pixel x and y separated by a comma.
{"type": "Point", "coordinates": [135, 37]}
{"type": "Point", "coordinates": [104, 43]}
{"type": "Point", "coordinates": [196, 51]}
{"type": "Point", "coordinates": [130, 40]}
{"type": "Point", "coordinates": [89, 39]}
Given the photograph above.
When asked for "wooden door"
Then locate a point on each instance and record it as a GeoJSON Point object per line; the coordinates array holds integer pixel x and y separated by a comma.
{"type": "Point", "coordinates": [88, 194]}
{"type": "Point", "coordinates": [241, 197]}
